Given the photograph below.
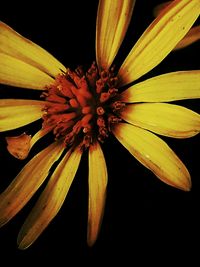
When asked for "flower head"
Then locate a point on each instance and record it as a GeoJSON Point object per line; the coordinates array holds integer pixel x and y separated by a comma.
{"type": "Point", "coordinates": [83, 107]}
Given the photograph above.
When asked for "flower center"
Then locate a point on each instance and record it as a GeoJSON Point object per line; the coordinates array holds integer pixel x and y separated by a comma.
{"type": "Point", "coordinates": [81, 107]}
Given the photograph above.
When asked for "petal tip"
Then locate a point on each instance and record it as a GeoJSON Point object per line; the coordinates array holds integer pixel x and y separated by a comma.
{"type": "Point", "coordinates": [90, 241]}
{"type": "Point", "coordinates": [91, 235]}
{"type": "Point", "coordinates": [187, 187]}
{"type": "Point", "coordinates": [21, 246]}
{"type": "Point", "coordinates": [21, 242]}
{"type": "Point", "coordinates": [186, 184]}
{"type": "Point", "coordinates": [2, 222]}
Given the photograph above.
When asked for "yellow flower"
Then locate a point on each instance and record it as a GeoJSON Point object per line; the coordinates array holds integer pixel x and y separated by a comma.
{"type": "Point", "coordinates": [83, 108]}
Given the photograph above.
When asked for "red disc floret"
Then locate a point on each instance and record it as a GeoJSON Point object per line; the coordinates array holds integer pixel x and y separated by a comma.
{"type": "Point", "coordinates": [80, 107]}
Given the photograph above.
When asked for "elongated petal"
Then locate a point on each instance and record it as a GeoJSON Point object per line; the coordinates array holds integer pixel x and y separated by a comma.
{"type": "Point", "coordinates": [42, 132]}
{"type": "Point", "coordinates": [22, 188]}
{"type": "Point", "coordinates": [15, 113]}
{"type": "Point", "coordinates": [159, 39]}
{"type": "Point", "coordinates": [50, 200]}
{"type": "Point", "coordinates": [167, 87]}
{"type": "Point", "coordinates": [192, 36]}
{"type": "Point", "coordinates": [154, 154]}
{"type": "Point", "coordinates": [113, 18]}
{"type": "Point", "coordinates": [15, 45]}
{"type": "Point", "coordinates": [17, 73]}
{"type": "Point", "coordinates": [97, 191]}
{"type": "Point", "coordinates": [165, 119]}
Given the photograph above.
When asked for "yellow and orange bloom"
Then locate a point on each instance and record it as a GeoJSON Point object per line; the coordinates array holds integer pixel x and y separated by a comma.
{"type": "Point", "coordinates": [82, 108]}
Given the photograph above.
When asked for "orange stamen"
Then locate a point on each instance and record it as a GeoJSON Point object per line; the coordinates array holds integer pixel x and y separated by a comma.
{"type": "Point", "coordinates": [78, 104]}
{"type": "Point", "coordinates": [86, 110]}
{"type": "Point", "coordinates": [73, 102]}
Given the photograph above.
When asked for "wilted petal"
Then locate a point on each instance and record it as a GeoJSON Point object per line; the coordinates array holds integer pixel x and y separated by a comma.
{"type": "Point", "coordinates": [22, 188]}
{"type": "Point", "coordinates": [15, 45]}
{"type": "Point", "coordinates": [167, 87]}
{"type": "Point", "coordinates": [161, 118]}
{"type": "Point", "coordinates": [16, 72]}
{"type": "Point", "coordinates": [113, 18]}
{"type": "Point", "coordinates": [159, 39]}
{"type": "Point", "coordinates": [15, 113]}
{"type": "Point", "coordinates": [154, 154]}
{"type": "Point", "coordinates": [97, 191]}
{"type": "Point", "coordinates": [50, 200]}
{"type": "Point", "coordinates": [19, 146]}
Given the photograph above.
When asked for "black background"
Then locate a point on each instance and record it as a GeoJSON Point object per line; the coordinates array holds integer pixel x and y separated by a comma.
{"type": "Point", "coordinates": [145, 219]}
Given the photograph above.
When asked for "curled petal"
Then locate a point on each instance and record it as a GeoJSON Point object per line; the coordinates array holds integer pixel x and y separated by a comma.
{"type": "Point", "coordinates": [97, 191]}
{"type": "Point", "coordinates": [50, 200]}
{"type": "Point", "coordinates": [159, 39]}
{"type": "Point", "coordinates": [15, 45]}
{"type": "Point", "coordinates": [161, 118]}
{"type": "Point", "coordinates": [19, 146]}
{"type": "Point", "coordinates": [164, 88]}
{"type": "Point", "coordinates": [113, 18]}
{"type": "Point", "coordinates": [154, 154]}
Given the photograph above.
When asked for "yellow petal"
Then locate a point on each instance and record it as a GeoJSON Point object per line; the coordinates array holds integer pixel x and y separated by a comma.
{"type": "Point", "coordinates": [97, 191]}
{"type": "Point", "coordinates": [159, 39]}
{"type": "Point", "coordinates": [19, 146]}
{"type": "Point", "coordinates": [167, 87]}
{"type": "Point", "coordinates": [17, 73]}
{"type": "Point", "coordinates": [22, 188]}
{"type": "Point", "coordinates": [15, 113]}
{"type": "Point", "coordinates": [161, 118]}
{"type": "Point", "coordinates": [15, 45]}
{"type": "Point", "coordinates": [50, 200]}
{"type": "Point", "coordinates": [154, 154]}
{"type": "Point", "coordinates": [192, 36]}
{"type": "Point", "coordinates": [113, 18]}
{"type": "Point", "coordinates": [42, 132]}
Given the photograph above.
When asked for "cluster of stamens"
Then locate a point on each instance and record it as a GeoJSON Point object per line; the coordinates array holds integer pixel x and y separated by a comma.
{"type": "Point", "coordinates": [82, 106]}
